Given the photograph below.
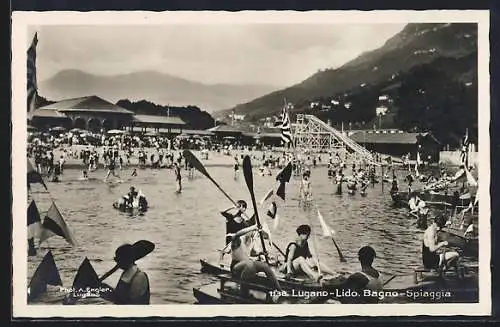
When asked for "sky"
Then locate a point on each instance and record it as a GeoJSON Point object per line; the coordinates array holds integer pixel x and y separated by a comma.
{"type": "Point", "coordinates": [271, 54]}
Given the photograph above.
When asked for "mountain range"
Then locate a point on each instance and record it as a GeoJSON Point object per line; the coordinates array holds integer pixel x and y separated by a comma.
{"type": "Point", "coordinates": [160, 88]}
{"type": "Point", "coordinates": [416, 45]}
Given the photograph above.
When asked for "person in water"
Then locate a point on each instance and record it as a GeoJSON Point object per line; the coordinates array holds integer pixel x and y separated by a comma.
{"type": "Point", "coordinates": [131, 195]}
{"type": "Point", "coordinates": [299, 259]}
{"type": "Point", "coordinates": [133, 285]}
{"type": "Point", "coordinates": [178, 176]}
{"type": "Point", "coordinates": [235, 220]}
{"type": "Point", "coordinates": [434, 256]}
{"type": "Point", "coordinates": [366, 279]}
{"type": "Point", "coordinates": [236, 166]}
{"type": "Point", "coordinates": [305, 188]}
{"type": "Point", "coordinates": [244, 268]}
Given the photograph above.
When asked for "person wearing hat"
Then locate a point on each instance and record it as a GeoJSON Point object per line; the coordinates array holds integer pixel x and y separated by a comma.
{"type": "Point", "coordinates": [434, 256]}
{"type": "Point", "coordinates": [133, 285]}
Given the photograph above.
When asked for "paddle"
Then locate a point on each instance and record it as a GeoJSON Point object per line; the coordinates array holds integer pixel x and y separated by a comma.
{"type": "Point", "coordinates": [247, 172]}
{"type": "Point", "coordinates": [191, 158]}
{"type": "Point", "coordinates": [141, 249]}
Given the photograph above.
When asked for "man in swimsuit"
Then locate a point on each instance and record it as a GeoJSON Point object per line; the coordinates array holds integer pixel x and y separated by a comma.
{"type": "Point", "coordinates": [433, 255]}
{"type": "Point", "coordinates": [235, 221]}
{"type": "Point", "coordinates": [367, 278]}
{"type": "Point", "coordinates": [242, 266]}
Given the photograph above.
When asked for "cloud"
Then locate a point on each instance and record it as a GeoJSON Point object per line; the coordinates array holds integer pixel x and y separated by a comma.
{"type": "Point", "coordinates": [278, 54]}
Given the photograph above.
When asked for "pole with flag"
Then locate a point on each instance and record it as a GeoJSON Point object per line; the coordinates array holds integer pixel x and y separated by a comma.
{"type": "Point", "coordinates": [54, 224]}
{"type": "Point", "coordinates": [286, 129]}
{"type": "Point", "coordinates": [31, 76]}
{"type": "Point", "coordinates": [465, 148]}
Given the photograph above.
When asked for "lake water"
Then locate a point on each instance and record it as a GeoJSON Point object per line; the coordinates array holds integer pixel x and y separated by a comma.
{"type": "Point", "coordinates": [186, 227]}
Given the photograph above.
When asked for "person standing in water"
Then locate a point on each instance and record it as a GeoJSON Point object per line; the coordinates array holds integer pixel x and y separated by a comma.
{"type": "Point", "coordinates": [178, 176]}
{"type": "Point", "coordinates": [305, 189]}
{"type": "Point", "coordinates": [236, 167]}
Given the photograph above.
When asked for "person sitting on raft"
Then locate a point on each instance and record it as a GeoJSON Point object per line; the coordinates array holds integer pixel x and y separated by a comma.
{"type": "Point", "coordinates": [433, 254]}
{"type": "Point", "coordinates": [299, 259]}
{"type": "Point", "coordinates": [244, 268]}
{"type": "Point", "coordinates": [366, 279]}
{"type": "Point", "coordinates": [131, 196]}
{"type": "Point", "coordinates": [235, 221]}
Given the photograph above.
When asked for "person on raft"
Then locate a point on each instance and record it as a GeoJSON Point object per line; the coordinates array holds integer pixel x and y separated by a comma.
{"type": "Point", "coordinates": [244, 268]}
{"type": "Point", "coordinates": [235, 220]}
{"type": "Point", "coordinates": [366, 279]}
{"type": "Point", "coordinates": [434, 256]}
{"type": "Point", "coordinates": [299, 259]}
{"type": "Point", "coordinates": [133, 285]}
{"type": "Point", "coordinates": [131, 196]}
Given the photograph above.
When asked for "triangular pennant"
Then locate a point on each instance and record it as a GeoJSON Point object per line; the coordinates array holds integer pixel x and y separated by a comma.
{"type": "Point", "coordinates": [34, 220]}
{"type": "Point", "coordinates": [327, 231]}
{"type": "Point", "coordinates": [85, 277]}
{"type": "Point", "coordinates": [283, 177]}
{"type": "Point", "coordinates": [54, 224]}
{"type": "Point", "coordinates": [272, 210]}
{"type": "Point", "coordinates": [46, 274]}
{"type": "Point", "coordinates": [267, 196]}
{"type": "Point", "coordinates": [470, 179]}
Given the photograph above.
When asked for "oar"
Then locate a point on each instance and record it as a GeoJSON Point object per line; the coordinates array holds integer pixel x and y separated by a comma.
{"type": "Point", "coordinates": [141, 249]}
{"type": "Point", "coordinates": [190, 157]}
{"type": "Point", "coordinates": [247, 172]}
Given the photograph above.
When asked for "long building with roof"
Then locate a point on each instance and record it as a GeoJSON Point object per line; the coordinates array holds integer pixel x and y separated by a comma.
{"type": "Point", "coordinates": [96, 114]}
{"type": "Point", "coordinates": [398, 143]}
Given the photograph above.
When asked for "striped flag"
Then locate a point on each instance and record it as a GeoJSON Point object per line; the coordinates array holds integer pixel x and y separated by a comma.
{"type": "Point", "coordinates": [286, 130]}
{"type": "Point", "coordinates": [31, 70]}
{"type": "Point", "coordinates": [54, 224]}
{"type": "Point", "coordinates": [465, 148]}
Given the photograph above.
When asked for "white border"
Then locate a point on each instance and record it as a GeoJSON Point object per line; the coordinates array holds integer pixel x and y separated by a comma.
{"type": "Point", "coordinates": [20, 44]}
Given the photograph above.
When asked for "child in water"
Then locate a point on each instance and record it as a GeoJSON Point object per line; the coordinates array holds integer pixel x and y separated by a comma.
{"type": "Point", "coordinates": [305, 188]}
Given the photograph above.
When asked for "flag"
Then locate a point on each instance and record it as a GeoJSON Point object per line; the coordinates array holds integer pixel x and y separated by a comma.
{"type": "Point", "coordinates": [54, 224]}
{"type": "Point", "coordinates": [470, 179]}
{"type": "Point", "coordinates": [286, 130]}
{"type": "Point", "coordinates": [85, 277]}
{"type": "Point", "coordinates": [267, 196]}
{"type": "Point", "coordinates": [327, 231]}
{"type": "Point", "coordinates": [34, 176]}
{"type": "Point", "coordinates": [272, 212]}
{"type": "Point", "coordinates": [283, 177]}
{"type": "Point", "coordinates": [32, 86]}
{"type": "Point", "coordinates": [465, 148]}
{"type": "Point", "coordinates": [417, 163]}
{"type": "Point", "coordinates": [34, 220]}
{"type": "Point", "coordinates": [46, 274]}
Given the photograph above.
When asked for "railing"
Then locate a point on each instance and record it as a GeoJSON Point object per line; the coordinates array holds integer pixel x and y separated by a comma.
{"type": "Point", "coordinates": [345, 139]}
